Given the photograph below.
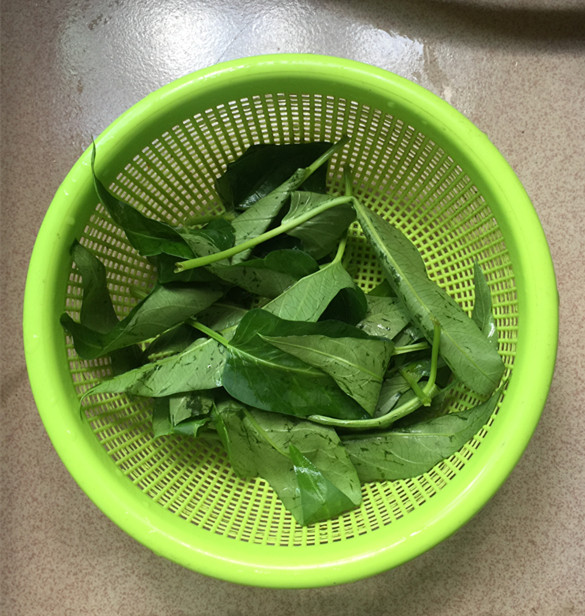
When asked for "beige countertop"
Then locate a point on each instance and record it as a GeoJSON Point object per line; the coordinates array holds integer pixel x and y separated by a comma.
{"type": "Point", "coordinates": [515, 69]}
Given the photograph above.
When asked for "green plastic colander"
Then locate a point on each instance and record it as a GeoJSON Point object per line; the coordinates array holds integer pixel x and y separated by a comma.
{"type": "Point", "coordinates": [419, 163]}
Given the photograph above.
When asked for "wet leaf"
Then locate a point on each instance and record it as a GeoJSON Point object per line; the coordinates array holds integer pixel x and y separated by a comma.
{"type": "Point", "coordinates": [412, 450]}
{"type": "Point", "coordinates": [466, 350]}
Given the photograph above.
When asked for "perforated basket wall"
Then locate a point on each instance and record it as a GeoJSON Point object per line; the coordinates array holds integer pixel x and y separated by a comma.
{"type": "Point", "coordinates": [402, 170]}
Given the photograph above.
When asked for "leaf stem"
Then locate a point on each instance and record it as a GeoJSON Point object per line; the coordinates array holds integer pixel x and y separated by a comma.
{"type": "Point", "coordinates": [376, 423]}
{"type": "Point", "coordinates": [411, 348]}
{"type": "Point", "coordinates": [340, 250]}
{"type": "Point", "coordinates": [254, 241]}
{"type": "Point", "coordinates": [435, 351]}
{"type": "Point", "coordinates": [347, 182]}
{"type": "Point", "coordinates": [424, 398]}
{"type": "Point", "coordinates": [209, 332]}
{"type": "Point", "coordinates": [326, 155]}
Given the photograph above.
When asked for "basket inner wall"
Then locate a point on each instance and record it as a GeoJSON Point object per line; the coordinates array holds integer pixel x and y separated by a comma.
{"type": "Point", "coordinates": [400, 173]}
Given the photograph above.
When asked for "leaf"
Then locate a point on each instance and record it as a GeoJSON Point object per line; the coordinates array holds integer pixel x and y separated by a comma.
{"type": "Point", "coordinates": [304, 463]}
{"type": "Point", "coordinates": [165, 307]}
{"type": "Point", "coordinates": [190, 405]}
{"type": "Point", "coordinates": [463, 346]}
{"type": "Point", "coordinates": [162, 424]}
{"type": "Point", "coordinates": [320, 499]}
{"type": "Point", "coordinates": [261, 375]}
{"type": "Point", "coordinates": [268, 276]}
{"type": "Point", "coordinates": [258, 217]}
{"type": "Point", "coordinates": [392, 390]}
{"type": "Point", "coordinates": [482, 312]}
{"type": "Point", "coordinates": [278, 242]}
{"type": "Point", "coordinates": [396, 389]}
{"type": "Point", "coordinates": [386, 317]}
{"type": "Point", "coordinates": [191, 427]}
{"type": "Point", "coordinates": [97, 311]}
{"type": "Point", "coordinates": [349, 305]}
{"type": "Point", "coordinates": [218, 234]}
{"type": "Point", "coordinates": [172, 341]}
{"type": "Point", "coordinates": [319, 235]}
{"type": "Point", "coordinates": [150, 237]}
{"type": "Point", "coordinates": [307, 299]}
{"type": "Point", "coordinates": [221, 316]}
{"type": "Point", "coordinates": [264, 167]}
{"type": "Point", "coordinates": [198, 367]}
{"type": "Point", "coordinates": [415, 449]}
{"type": "Point", "coordinates": [356, 364]}
{"type": "Point", "coordinates": [240, 252]}
{"type": "Point", "coordinates": [126, 359]}
{"type": "Point", "coordinates": [382, 290]}
{"type": "Point", "coordinates": [409, 335]}
{"type": "Point", "coordinates": [228, 417]}
{"type": "Point", "coordinates": [165, 269]}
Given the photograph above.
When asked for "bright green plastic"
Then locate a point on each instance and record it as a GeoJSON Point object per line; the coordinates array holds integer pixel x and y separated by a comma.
{"type": "Point", "coordinates": [418, 162]}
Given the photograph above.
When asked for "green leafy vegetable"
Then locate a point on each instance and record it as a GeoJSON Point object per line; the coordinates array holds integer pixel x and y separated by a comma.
{"type": "Point", "coordinates": [268, 276]}
{"type": "Point", "coordinates": [320, 499]}
{"type": "Point", "coordinates": [263, 168]}
{"type": "Point", "coordinates": [241, 250]}
{"type": "Point", "coordinates": [164, 418]}
{"type": "Point", "coordinates": [483, 314]}
{"type": "Point", "coordinates": [187, 406]}
{"type": "Point", "coordinates": [386, 317]}
{"type": "Point", "coordinates": [396, 385]}
{"type": "Point", "coordinates": [319, 235]}
{"type": "Point", "coordinates": [305, 464]}
{"type": "Point", "coordinates": [257, 218]}
{"type": "Point", "coordinates": [251, 338]}
{"type": "Point", "coordinates": [413, 450]}
{"type": "Point", "coordinates": [439, 406]}
{"type": "Point", "coordinates": [423, 394]}
{"type": "Point", "coordinates": [348, 305]}
{"type": "Point", "coordinates": [165, 268]}
{"type": "Point", "coordinates": [97, 311]}
{"type": "Point", "coordinates": [259, 374]}
{"type": "Point", "coordinates": [222, 316]}
{"type": "Point", "coordinates": [309, 298]}
{"type": "Point", "coordinates": [197, 367]}
{"type": "Point", "coordinates": [394, 391]}
{"type": "Point", "coordinates": [165, 307]}
{"type": "Point", "coordinates": [357, 365]}
{"type": "Point", "coordinates": [463, 346]}
{"type": "Point", "coordinates": [150, 237]}
{"type": "Point", "coordinates": [383, 289]}
{"type": "Point", "coordinates": [216, 235]}
{"type": "Point", "coordinates": [172, 341]}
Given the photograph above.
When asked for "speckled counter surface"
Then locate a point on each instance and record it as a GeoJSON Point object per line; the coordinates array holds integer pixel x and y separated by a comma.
{"type": "Point", "coordinates": [516, 69]}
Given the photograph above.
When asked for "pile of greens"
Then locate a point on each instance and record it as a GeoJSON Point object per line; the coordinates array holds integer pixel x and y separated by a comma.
{"type": "Point", "coordinates": [256, 334]}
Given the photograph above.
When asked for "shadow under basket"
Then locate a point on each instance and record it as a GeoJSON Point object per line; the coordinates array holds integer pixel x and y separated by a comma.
{"type": "Point", "coordinates": [416, 161]}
